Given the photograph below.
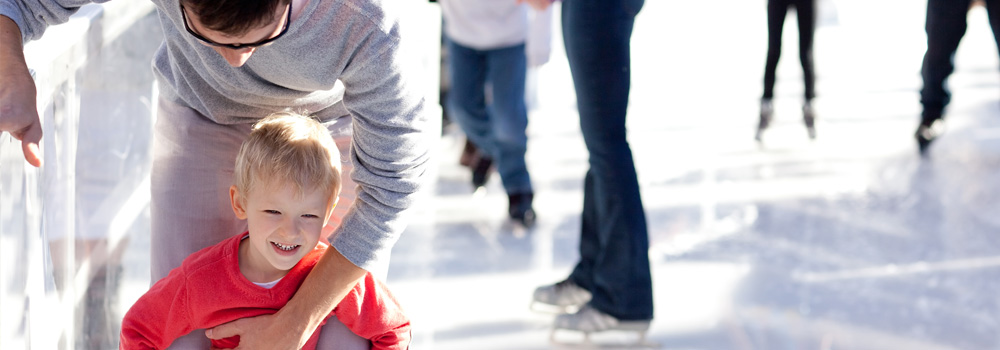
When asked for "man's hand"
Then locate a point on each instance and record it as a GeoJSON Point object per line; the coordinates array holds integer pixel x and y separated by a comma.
{"type": "Point", "coordinates": [290, 328]}
{"type": "Point", "coordinates": [254, 333]}
{"type": "Point", "coordinates": [18, 107]}
{"type": "Point", "coordinates": [539, 5]}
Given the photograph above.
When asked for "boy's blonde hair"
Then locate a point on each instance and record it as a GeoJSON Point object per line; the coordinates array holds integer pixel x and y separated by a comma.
{"type": "Point", "coordinates": [288, 147]}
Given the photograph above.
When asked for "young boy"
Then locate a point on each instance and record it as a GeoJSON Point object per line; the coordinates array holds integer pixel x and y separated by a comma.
{"type": "Point", "coordinates": [287, 179]}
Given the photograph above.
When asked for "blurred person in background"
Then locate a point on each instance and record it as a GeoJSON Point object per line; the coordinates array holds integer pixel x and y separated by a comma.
{"type": "Point", "coordinates": [487, 69]}
{"type": "Point", "coordinates": [945, 26]}
{"type": "Point", "coordinates": [805, 11]}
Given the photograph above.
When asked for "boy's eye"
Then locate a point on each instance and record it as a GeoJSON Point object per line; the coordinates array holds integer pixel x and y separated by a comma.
{"type": "Point", "coordinates": [310, 216]}
{"type": "Point", "coordinates": [270, 211]}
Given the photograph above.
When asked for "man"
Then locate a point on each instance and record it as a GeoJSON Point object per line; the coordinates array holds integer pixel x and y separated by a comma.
{"type": "Point", "coordinates": [223, 65]}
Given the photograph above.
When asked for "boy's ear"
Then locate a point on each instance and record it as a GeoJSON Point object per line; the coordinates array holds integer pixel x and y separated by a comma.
{"type": "Point", "coordinates": [333, 207]}
{"type": "Point", "coordinates": [329, 224]}
{"type": "Point", "coordinates": [237, 200]}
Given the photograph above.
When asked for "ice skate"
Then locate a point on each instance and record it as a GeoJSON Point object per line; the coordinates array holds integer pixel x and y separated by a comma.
{"type": "Point", "coordinates": [809, 118]}
{"type": "Point", "coordinates": [926, 133]}
{"type": "Point", "coordinates": [766, 113]}
{"type": "Point", "coordinates": [520, 209]}
{"type": "Point", "coordinates": [481, 173]}
{"type": "Point", "coordinates": [561, 298]}
{"type": "Point", "coordinates": [590, 320]}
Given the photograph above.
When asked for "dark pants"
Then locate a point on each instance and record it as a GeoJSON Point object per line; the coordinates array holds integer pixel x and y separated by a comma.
{"type": "Point", "coordinates": [776, 11]}
{"type": "Point", "coordinates": [946, 24]}
{"type": "Point", "coordinates": [614, 244]}
{"type": "Point", "coordinates": [498, 127]}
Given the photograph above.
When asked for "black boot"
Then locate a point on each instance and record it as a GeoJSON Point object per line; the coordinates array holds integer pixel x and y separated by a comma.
{"type": "Point", "coordinates": [520, 208]}
{"type": "Point", "coordinates": [481, 172]}
{"type": "Point", "coordinates": [929, 129]}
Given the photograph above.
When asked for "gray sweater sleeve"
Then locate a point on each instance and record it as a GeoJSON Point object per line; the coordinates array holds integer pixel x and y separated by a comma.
{"type": "Point", "coordinates": [391, 152]}
{"type": "Point", "coordinates": [33, 16]}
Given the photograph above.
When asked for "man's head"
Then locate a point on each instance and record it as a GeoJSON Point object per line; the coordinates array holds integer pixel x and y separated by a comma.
{"type": "Point", "coordinates": [235, 28]}
{"type": "Point", "coordinates": [286, 182]}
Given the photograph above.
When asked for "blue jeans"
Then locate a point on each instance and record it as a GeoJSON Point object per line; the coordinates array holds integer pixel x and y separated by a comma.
{"type": "Point", "coordinates": [946, 24]}
{"type": "Point", "coordinates": [496, 126]}
{"type": "Point", "coordinates": [614, 243]}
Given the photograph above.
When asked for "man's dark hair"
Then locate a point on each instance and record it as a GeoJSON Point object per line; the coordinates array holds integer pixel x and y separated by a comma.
{"type": "Point", "coordinates": [234, 17]}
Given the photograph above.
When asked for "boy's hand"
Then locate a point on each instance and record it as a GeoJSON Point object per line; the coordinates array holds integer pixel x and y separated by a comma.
{"type": "Point", "coordinates": [260, 332]}
{"type": "Point", "coordinates": [539, 5]}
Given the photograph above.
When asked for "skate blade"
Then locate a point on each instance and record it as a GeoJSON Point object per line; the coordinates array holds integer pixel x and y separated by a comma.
{"type": "Point", "coordinates": [588, 343]}
{"type": "Point", "coordinates": [479, 192]}
{"type": "Point", "coordinates": [544, 308]}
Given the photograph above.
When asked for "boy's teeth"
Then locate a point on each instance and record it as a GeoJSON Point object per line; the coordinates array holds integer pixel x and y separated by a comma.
{"type": "Point", "coordinates": [284, 247]}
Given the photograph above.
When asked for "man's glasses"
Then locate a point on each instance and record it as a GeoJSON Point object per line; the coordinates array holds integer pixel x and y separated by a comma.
{"type": "Point", "coordinates": [205, 40]}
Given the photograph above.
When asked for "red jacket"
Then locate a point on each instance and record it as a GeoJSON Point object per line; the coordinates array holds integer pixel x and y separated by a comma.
{"type": "Point", "coordinates": [208, 290]}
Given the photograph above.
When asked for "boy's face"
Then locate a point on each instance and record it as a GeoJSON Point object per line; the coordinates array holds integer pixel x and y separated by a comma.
{"type": "Point", "coordinates": [284, 227]}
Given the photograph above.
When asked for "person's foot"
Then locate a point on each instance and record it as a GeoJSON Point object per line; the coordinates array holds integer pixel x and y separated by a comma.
{"type": "Point", "coordinates": [766, 113]}
{"type": "Point", "coordinates": [589, 320]}
{"type": "Point", "coordinates": [809, 118]}
{"type": "Point", "coordinates": [469, 155]}
{"type": "Point", "coordinates": [563, 295]}
{"type": "Point", "coordinates": [930, 128]}
{"type": "Point", "coordinates": [520, 209]}
{"type": "Point", "coordinates": [481, 172]}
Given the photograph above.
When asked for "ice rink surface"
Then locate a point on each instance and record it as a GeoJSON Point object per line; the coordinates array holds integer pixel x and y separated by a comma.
{"type": "Point", "coordinates": [851, 241]}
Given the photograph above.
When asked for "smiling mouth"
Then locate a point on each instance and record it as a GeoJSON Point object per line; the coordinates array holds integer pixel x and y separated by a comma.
{"type": "Point", "coordinates": [285, 247]}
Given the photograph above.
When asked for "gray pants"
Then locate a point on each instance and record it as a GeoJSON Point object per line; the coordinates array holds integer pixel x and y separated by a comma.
{"type": "Point", "coordinates": [193, 159]}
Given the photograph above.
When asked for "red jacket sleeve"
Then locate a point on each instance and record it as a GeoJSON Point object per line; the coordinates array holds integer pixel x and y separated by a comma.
{"type": "Point", "coordinates": [370, 311]}
{"type": "Point", "coordinates": [159, 317]}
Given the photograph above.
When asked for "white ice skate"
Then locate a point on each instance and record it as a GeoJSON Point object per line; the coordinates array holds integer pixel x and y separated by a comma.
{"type": "Point", "coordinates": [766, 114]}
{"type": "Point", "coordinates": [560, 298]}
{"type": "Point", "coordinates": [590, 320]}
{"type": "Point", "coordinates": [809, 118]}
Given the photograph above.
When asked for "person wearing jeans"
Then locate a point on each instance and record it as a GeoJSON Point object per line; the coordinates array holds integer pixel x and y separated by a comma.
{"type": "Point", "coordinates": [611, 283]}
{"type": "Point", "coordinates": [946, 24]}
{"type": "Point", "coordinates": [487, 65]}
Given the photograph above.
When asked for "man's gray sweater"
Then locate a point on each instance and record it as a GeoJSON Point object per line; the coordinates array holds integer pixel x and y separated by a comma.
{"type": "Point", "coordinates": [339, 58]}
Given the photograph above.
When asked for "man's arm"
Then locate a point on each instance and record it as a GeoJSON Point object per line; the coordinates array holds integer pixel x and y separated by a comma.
{"type": "Point", "coordinates": [329, 282]}
{"type": "Point", "coordinates": [18, 107]}
{"type": "Point", "coordinates": [21, 21]}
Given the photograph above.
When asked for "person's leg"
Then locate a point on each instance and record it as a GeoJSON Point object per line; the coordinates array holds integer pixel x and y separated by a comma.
{"type": "Point", "coordinates": [945, 26]}
{"type": "Point", "coordinates": [597, 34]}
{"type": "Point", "coordinates": [776, 11]}
{"type": "Point", "coordinates": [993, 9]}
{"type": "Point", "coordinates": [334, 335]}
{"type": "Point", "coordinates": [466, 104]}
{"type": "Point", "coordinates": [507, 73]}
{"type": "Point", "coordinates": [506, 70]}
{"type": "Point", "coordinates": [806, 13]}
{"type": "Point", "coordinates": [193, 159]}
